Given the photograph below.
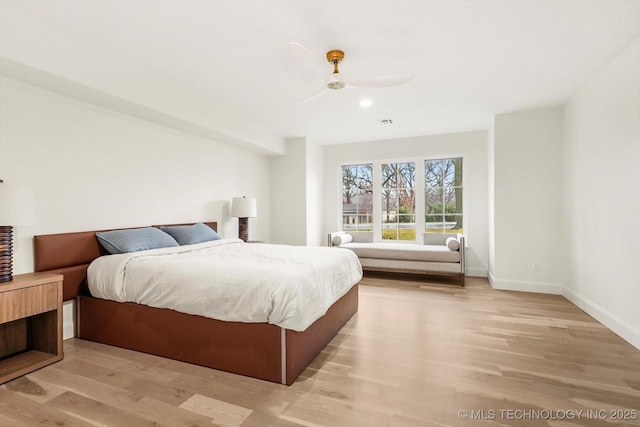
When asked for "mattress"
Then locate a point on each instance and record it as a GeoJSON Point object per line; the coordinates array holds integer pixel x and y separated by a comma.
{"type": "Point", "coordinates": [230, 280]}
{"type": "Point", "coordinates": [404, 251]}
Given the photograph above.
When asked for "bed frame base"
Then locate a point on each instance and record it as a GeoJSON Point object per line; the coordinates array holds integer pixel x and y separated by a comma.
{"type": "Point", "coordinates": [258, 350]}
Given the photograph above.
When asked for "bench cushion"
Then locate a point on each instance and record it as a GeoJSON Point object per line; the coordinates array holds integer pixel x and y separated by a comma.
{"type": "Point", "coordinates": [404, 251]}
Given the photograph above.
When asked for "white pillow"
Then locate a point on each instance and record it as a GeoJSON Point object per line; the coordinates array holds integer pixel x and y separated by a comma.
{"type": "Point", "coordinates": [453, 244]}
{"type": "Point", "coordinates": [341, 239]}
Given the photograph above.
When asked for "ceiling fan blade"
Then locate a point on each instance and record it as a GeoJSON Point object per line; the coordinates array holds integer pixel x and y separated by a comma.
{"type": "Point", "coordinates": [382, 81]}
{"type": "Point", "coordinates": [305, 56]}
{"type": "Point", "coordinates": [314, 96]}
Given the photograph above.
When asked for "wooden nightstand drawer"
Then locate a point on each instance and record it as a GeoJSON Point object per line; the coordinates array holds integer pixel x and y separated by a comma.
{"type": "Point", "coordinates": [29, 301]}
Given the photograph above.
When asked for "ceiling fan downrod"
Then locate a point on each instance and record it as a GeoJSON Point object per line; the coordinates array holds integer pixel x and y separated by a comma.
{"type": "Point", "coordinates": [335, 57]}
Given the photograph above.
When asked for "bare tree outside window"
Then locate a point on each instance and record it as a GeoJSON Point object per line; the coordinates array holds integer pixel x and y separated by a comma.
{"type": "Point", "coordinates": [357, 198]}
{"type": "Point", "coordinates": [398, 201]}
{"type": "Point", "coordinates": [443, 195]}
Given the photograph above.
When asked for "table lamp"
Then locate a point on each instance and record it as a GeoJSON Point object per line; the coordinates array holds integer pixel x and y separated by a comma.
{"type": "Point", "coordinates": [243, 208]}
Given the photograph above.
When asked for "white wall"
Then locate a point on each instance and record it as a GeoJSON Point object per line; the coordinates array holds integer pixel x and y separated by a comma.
{"type": "Point", "coordinates": [472, 146]}
{"type": "Point", "coordinates": [527, 209]}
{"type": "Point", "coordinates": [92, 168]}
{"type": "Point", "coordinates": [296, 195]}
{"type": "Point", "coordinates": [315, 213]}
{"type": "Point", "coordinates": [289, 195]}
{"type": "Point", "coordinates": [602, 202]}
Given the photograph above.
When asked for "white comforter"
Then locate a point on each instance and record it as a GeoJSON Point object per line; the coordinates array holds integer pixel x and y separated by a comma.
{"type": "Point", "coordinates": [227, 279]}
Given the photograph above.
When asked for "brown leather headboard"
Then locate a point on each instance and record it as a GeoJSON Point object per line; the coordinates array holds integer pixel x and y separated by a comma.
{"type": "Point", "coordinates": [70, 254]}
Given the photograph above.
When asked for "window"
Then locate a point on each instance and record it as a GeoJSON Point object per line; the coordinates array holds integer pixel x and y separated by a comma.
{"type": "Point", "coordinates": [357, 197]}
{"type": "Point", "coordinates": [443, 195]}
{"type": "Point", "coordinates": [385, 199]}
{"type": "Point", "coordinates": [398, 201]}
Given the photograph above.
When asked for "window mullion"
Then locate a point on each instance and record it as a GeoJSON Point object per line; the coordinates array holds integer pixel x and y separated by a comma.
{"type": "Point", "coordinates": [377, 201]}
{"type": "Point", "coordinates": [420, 202]}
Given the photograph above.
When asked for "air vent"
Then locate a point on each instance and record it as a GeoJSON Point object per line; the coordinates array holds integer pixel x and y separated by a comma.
{"type": "Point", "coordinates": [385, 122]}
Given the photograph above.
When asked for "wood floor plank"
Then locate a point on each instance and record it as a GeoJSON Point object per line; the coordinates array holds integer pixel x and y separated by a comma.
{"type": "Point", "coordinates": [96, 412]}
{"type": "Point", "coordinates": [222, 413]}
{"type": "Point", "coordinates": [235, 390]}
{"type": "Point", "coordinates": [259, 419]}
{"type": "Point", "coordinates": [40, 392]}
{"type": "Point", "coordinates": [413, 355]}
{"type": "Point", "coordinates": [138, 369]}
{"type": "Point", "coordinates": [16, 409]}
{"type": "Point", "coordinates": [86, 386]}
{"type": "Point", "coordinates": [152, 409]}
{"type": "Point", "coordinates": [99, 373]}
{"type": "Point", "coordinates": [162, 392]}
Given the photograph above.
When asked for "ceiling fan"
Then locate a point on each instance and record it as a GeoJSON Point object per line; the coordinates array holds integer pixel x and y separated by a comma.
{"type": "Point", "coordinates": [336, 80]}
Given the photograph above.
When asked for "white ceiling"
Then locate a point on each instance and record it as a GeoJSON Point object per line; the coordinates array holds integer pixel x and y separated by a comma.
{"type": "Point", "coordinates": [224, 67]}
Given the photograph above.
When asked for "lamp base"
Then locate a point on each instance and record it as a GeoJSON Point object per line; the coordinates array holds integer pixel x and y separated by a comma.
{"type": "Point", "coordinates": [6, 253]}
{"type": "Point", "coordinates": [243, 228]}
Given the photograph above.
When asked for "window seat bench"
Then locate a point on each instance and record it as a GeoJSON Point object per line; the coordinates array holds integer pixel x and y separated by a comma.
{"type": "Point", "coordinates": [437, 261]}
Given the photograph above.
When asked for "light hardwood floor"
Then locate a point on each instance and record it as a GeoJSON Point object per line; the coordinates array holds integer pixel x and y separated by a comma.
{"type": "Point", "coordinates": [410, 357]}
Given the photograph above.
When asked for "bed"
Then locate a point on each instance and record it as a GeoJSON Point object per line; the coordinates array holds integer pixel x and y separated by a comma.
{"type": "Point", "coordinates": [260, 350]}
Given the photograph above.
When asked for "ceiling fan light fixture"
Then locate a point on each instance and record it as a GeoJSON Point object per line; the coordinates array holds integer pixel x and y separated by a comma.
{"type": "Point", "coordinates": [336, 85]}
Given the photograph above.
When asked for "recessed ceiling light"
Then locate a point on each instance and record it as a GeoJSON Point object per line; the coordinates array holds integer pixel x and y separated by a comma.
{"type": "Point", "coordinates": [366, 103]}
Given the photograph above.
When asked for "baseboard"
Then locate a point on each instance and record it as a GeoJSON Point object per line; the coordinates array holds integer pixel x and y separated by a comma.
{"type": "Point", "coordinates": [525, 286]}
{"type": "Point", "coordinates": [491, 277]}
{"type": "Point", "coordinates": [611, 321]}
{"type": "Point", "coordinates": [68, 329]}
{"type": "Point", "coordinates": [475, 272]}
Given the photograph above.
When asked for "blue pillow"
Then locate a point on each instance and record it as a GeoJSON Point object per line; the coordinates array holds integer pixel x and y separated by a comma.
{"type": "Point", "coordinates": [135, 239]}
{"type": "Point", "coordinates": [191, 234]}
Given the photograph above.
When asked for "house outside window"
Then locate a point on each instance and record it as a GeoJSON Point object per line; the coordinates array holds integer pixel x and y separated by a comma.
{"type": "Point", "coordinates": [357, 197]}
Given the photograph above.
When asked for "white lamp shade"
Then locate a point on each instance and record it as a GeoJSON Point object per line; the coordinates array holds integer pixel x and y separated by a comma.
{"type": "Point", "coordinates": [17, 205]}
{"type": "Point", "coordinates": [244, 207]}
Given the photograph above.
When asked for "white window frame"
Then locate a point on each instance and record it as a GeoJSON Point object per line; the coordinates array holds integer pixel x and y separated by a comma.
{"type": "Point", "coordinates": [420, 190]}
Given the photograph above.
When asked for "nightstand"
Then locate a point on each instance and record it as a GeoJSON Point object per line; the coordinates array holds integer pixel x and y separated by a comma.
{"type": "Point", "coordinates": [30, 323]}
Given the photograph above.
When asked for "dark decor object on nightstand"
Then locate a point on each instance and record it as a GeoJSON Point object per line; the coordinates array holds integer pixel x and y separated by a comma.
{"type": "Point", "coordinates": [6, 250]}
{"type": "Point", "coordinates": [243, 208]}
{"type": "Point", "coordinates": [16, 208]}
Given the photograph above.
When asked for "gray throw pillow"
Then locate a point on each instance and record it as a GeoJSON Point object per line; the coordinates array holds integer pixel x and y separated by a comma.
{"type": "Point", "coordinates": [135, 239]}
{"type": "Point", "coordinates": [191, 234]}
